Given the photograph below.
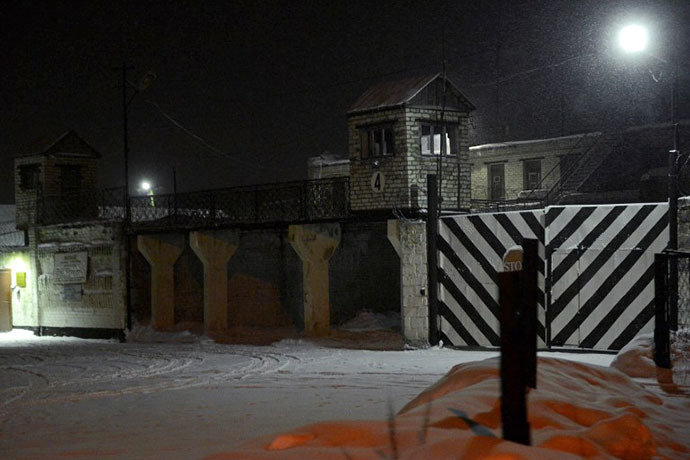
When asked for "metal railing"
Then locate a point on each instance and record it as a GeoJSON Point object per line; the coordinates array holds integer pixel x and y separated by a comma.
{"type": "Point", "coordinates": [299, 201]}
{"type": "Point", "coordinates": [672, 303]}
{"type": "Point", "coordinates": [107, 204]}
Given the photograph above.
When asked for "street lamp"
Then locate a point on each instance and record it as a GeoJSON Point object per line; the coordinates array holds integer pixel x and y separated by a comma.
{"type": "Point", "coordinates": [633, 38]}
{"type": "Point", "coordinates": [144, 83]}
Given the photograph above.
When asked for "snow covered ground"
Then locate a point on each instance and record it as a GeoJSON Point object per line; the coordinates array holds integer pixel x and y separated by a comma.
{"type": "Point", "coordinates": [66, 397]}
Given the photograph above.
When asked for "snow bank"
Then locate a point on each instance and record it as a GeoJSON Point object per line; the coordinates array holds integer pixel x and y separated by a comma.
{"type": "Point", "coordinates": [146, 334]}
{"type": "Point", "coordinates": [370, 321]}
{"type": "Point", "coordinates": [578, 410]}
{"type": "Point", "coordinates": [636, 359]}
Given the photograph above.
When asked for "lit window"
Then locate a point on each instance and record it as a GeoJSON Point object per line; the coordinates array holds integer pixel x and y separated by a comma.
{"type": "Point", "coordinates": [377, 141]}
{"type": "Point", "coordinates": [438, 139]}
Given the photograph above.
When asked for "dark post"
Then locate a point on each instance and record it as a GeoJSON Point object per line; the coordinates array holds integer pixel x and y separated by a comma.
{"type": "Point", "coordinates": [432, 256]}
{"type": "Point", "coordinates": [528, 309]}
{"type": "Point", "coordinates": [513, 399]}
{"type": "Point", "coordinates": [673, 158]}
{"type": "Point", "coordinates": [662, 333]}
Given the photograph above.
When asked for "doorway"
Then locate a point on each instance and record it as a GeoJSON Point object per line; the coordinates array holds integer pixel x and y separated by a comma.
{"type": "Point", "coordinates": [497, 182]}
{"type": "Point", "coordinates": [5, 300]}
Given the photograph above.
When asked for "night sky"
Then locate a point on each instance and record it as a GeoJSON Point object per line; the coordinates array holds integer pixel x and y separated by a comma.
{"type": "Point", "coordinates": [246, 91]}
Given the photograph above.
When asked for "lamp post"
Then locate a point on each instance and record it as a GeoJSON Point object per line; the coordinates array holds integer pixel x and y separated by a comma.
{"type": "Point", "coordinates": [633, 39]}
{"type": "Point", "coordinates": [126, 101]}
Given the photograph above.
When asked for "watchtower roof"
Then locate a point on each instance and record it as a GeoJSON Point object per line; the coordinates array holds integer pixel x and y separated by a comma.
{"type": "Point", "coordinates": [68, 145]}
{"type": "Point", "coordinates": [402, 92]}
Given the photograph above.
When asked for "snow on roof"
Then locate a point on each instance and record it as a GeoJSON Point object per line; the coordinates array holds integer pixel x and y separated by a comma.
{"type": "Point", "coordinates": [533, 141]}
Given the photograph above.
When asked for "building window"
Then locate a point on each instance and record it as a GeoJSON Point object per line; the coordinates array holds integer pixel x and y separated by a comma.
{"type": "Point", "coordinates": [531, 174]}
{"type": "Point", "coordinates": [70, 179]}
{"type": "Point", "coordinates": [28, 177]}
{"type": "Point", "coordinates": [377, 141]}
{"type": "Point", "coordinates": [437, 139]}
{"type": "Point", "coordinates": [497, 183]}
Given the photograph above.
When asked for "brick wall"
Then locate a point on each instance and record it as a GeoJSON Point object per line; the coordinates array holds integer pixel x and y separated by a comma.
{"type": "Point", "coordinates": [49, 182]}
{"type": "Point", "coordinates": [405, 172]}
{"type": "Point", "coordinates": [364, 272]}
{"type": "Point", "coordinates": [513, 156]}
{"type": "Point", "coordinates": [101, 302]}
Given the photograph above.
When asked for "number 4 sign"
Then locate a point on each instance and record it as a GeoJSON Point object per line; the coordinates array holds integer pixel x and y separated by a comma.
{"type": "Point", "coordinates": [378, 181]}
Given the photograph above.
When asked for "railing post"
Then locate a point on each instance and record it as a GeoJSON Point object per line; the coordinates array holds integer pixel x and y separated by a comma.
{"type": "Point", "coordinates": [662, 332]}
{"type": "Point", "coordinates": [212, 207]}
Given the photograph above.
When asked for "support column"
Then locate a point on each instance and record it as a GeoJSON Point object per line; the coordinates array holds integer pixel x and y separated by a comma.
{"type": "Point", "coordinates": [409, 240]}
{"type": "Point", "coordinates": [214, 249]}
{"type": "Point", "coordinates": [315, 244]}
{"type": "Point", "coordinates": [161, 252]}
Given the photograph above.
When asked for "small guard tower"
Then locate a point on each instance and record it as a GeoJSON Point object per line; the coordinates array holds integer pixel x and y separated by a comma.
{"type": "Point", "coordinates": [56, 183]}
{"type": "Point", "coordinates": [398, 133]}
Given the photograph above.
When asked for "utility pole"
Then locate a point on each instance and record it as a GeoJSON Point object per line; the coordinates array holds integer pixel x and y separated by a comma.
{"type": "Point", "coordinates": [127, 214]}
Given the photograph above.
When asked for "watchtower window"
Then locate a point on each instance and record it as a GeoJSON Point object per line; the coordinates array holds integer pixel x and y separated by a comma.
{"type": "Point", "coordinates": [377, 141]}
{"type": "Point", "coordinates": [70, 179]}
{"type": "Point", "coordinates": [28, 176]}
{"type": "Point", "coordinates": [439, 139]}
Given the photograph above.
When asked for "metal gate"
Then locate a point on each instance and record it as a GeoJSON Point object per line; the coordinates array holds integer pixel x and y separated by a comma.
{"type": "Point", "coordinates": [471, 250]}
{"type": "Point", "coordinates": [596, 273]}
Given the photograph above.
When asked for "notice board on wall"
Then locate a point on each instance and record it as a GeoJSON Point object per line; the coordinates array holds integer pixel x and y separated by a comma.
{"type": "Point", "coordinates": [70, 267]}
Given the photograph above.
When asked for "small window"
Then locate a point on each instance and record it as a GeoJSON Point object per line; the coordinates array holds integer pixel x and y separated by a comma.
{"type": "Point", "coordinates": [532, 174]}
{"type": "Point", "coordinates": [437, 139]}
{"type": "Point", "coordinates": [377, 141]}
{"type": "Point", "coordinates": [28, 176]}
{"type": "Point", "coordinates": [70, 179]}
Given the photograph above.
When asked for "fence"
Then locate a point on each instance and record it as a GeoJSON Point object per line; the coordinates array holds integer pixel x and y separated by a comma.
{"type": "Point", "coordinates": [672, 303]}
{"type": "Point", "coordinates": [299, 201]}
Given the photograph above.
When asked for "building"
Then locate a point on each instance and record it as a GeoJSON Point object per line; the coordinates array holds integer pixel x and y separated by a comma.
{"type": "Point", "coordinates": [67, 270]}
{"type": "Point", "coordinates": [625, 166]}
{"type": "Point", "coordinates": [398, 133]}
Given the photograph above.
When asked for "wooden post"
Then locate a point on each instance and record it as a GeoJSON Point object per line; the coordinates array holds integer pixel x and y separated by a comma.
{"type": "Point", "coordinates": [518, 317]}
{"type": "Point", "coordinates": [513, 399]}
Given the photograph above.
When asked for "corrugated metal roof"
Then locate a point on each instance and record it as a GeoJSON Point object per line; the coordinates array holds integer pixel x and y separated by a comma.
{"type": "Point", "coordinates": [391, 93]}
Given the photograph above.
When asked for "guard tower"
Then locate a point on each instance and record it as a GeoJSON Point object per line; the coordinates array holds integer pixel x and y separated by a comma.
{"type": "Point", "coordinates": [399, 132]}
{"type": "Point", "coordinates": [57, 183]}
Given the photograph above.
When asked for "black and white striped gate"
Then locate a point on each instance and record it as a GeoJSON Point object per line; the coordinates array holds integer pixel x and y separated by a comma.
{"type": "Point", "coordinates": [601, 272]}
{"type": "Point", "coordinates": [471, 250]}
{"type": "Point", "coordinates": [595, 272]}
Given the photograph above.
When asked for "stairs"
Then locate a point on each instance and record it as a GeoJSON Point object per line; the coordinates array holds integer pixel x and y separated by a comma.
{"type": "Point", "coordinates": [581, 170]}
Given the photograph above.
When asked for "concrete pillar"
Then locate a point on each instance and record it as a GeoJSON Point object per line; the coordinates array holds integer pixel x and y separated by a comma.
{"type": "Point", "coordinates": [315, 244]}
{"type": "Point", "coordinates": [409, 240]}
{"type": "Point", "coordinates": [161, 251]}
{"type": "Point", "coordinates": [214, 249]}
